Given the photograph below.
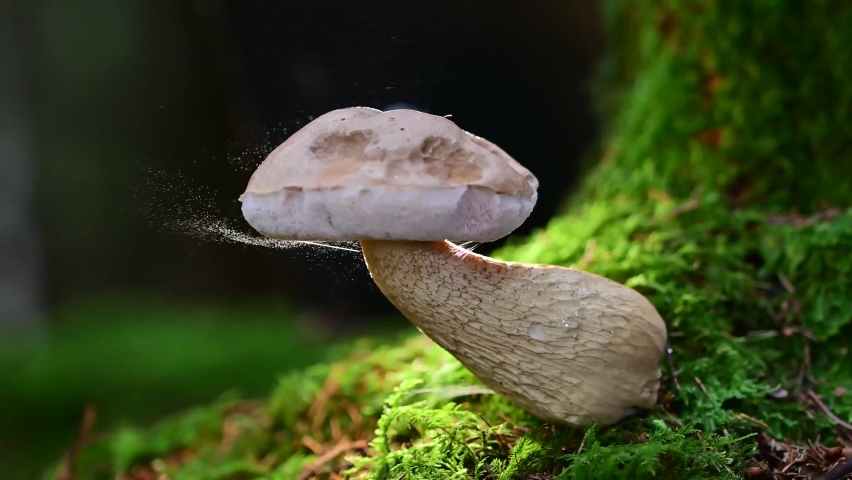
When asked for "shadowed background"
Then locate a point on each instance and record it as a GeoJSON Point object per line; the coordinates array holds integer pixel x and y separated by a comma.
{"type": "Point", "coordinates": [122, 119]}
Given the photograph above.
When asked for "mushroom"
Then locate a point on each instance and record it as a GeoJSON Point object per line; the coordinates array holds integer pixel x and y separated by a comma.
{"type": "Point", "coordinates": [568, 346]}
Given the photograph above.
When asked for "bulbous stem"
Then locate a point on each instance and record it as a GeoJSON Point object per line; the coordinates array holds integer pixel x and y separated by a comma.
{"type": "Point", "coordinates": [568, 346]}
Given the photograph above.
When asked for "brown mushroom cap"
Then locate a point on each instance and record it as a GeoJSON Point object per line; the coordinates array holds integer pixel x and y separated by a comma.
{"type": "Point", "coordinates": [360, 174]}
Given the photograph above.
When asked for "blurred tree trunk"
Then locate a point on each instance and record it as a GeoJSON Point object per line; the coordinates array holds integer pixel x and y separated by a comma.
{"type": "Point", "coordinates": [20, 266]}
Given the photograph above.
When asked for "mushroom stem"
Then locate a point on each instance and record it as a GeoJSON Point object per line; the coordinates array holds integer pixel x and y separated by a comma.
{"type": "Point", "coordinates": [568, 346]}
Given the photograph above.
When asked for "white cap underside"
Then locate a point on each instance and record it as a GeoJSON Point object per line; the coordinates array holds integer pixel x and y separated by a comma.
{"type": "Point", "coordinates": [348, 214]}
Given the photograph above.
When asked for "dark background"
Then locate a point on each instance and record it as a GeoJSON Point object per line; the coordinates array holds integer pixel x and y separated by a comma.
{"type": "Point", "coordinates": [122, 120]}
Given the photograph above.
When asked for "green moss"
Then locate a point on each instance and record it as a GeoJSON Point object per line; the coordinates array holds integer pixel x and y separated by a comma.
{"type": "Point", "coordinates": [137, 357]}
{"type": "Point", "coordinates": [727, 143]}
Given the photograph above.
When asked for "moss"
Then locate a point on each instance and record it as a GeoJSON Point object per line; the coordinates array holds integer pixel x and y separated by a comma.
{"type": "Point", "coordinates": [723, 195]}
{"type": "Point", "coordinates": [122, 352]}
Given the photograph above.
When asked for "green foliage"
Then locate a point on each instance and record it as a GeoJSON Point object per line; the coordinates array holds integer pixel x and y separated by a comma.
{"type": "Point", "coordinates": [723, 196]}
{"type": "Point", "coordinates": [677, 454]}
{"type": "Point", "coordinates": [416, 433]}
{"type": "Point", "coordinates": [135, 359]}
{"type": "Point", "coordinates": [105, 350]}
{"type": "Point", "coordinates": [191, 441]}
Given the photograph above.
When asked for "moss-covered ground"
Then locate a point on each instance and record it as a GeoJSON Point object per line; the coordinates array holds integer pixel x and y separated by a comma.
{"type": "Point", "coordinates": [137, 358]}
{"type": "Point", "coordinates": [722, 192]}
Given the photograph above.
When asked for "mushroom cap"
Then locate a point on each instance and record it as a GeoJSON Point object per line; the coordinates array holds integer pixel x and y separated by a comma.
{"type": "Point", "coordinates": [363, 174]}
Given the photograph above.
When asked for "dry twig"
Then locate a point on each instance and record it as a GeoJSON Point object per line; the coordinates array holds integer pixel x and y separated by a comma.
{"type": "Point", "coordinates": [330, 455]}
{"type": "Point", "coordinates": [827, 411]}
{"type": "Point", "coordinates": [84, 433]}
{"type": "Point", "coordinates": [701, 385]}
